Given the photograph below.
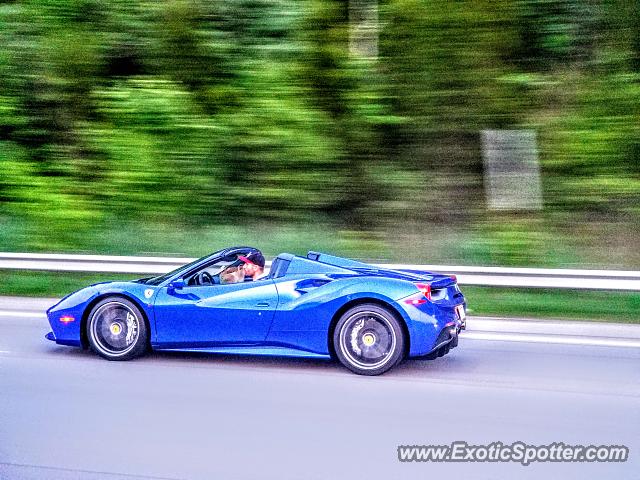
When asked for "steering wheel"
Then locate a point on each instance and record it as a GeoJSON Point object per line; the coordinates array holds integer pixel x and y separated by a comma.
{"type": "Point", "coordinates": [203, 278]}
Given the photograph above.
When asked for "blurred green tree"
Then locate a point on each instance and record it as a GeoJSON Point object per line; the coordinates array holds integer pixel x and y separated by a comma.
{"type": "Point", "coordinates": [190, 112]}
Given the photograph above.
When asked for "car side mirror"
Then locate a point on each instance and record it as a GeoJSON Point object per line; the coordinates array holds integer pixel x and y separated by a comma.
{"type": "Point", "coordinates": [178, 284]}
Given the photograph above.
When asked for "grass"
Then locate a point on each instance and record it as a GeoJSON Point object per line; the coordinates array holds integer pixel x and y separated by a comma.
{"type": "Point", "coordinates": [50, 284]}
{"type": "Point", "coordinates": [528, 245]}
{"type": "Point", "coordinates": [507, 302]}
{"type": "Point", "coordinates": [149, 239]}
{"type": "Point", "coordinates": [547, 303]}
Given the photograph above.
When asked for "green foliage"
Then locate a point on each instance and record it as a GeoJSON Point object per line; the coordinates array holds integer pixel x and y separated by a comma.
{"type": "Point", "coordinates": [520, 241]}
{"type": "Point", "coordinates": [187, 113]}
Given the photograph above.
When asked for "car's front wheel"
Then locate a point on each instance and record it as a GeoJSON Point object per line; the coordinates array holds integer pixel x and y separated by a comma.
{"type": "Point", "coordinates": [116, 329]}
{"type": "Point", "coordinates": [368, 340]}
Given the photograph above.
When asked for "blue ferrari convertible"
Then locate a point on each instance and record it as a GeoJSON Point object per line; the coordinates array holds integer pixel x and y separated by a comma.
{"type": "Point", "coordinates": [321, 306]}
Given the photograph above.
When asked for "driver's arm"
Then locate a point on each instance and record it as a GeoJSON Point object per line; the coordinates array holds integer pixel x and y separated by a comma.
{"type": "Point", "coordinates": [232, 275]}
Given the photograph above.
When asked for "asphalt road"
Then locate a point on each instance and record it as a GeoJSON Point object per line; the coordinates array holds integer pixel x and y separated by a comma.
{"type": "Point", "coordinates": [65, 413]}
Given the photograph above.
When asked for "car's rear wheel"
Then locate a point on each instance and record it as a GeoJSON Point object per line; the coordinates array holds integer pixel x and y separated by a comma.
{"type": "Point", "coordinates": [368, 340]}
{"type": "Point", "coordinates": [116, 329]}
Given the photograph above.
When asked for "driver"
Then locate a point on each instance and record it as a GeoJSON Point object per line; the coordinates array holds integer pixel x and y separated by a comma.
{"type": "Point", "coordinates": [251, 268]}
{"type": "Point", "coordinates": [253, 265]}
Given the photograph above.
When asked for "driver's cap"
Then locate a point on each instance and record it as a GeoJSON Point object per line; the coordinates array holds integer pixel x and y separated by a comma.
{"type": "Point", "coordinates": [254, 257]}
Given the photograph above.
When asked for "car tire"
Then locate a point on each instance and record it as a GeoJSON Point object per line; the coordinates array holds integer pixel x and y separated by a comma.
{"type": "Point", "coordinates": [369, 340]}
{"type": "Point", "coordinates": [116, 329]}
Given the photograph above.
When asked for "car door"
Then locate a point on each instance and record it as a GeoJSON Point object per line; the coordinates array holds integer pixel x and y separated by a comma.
{"type": "Point", "coordinates": [209, 315]}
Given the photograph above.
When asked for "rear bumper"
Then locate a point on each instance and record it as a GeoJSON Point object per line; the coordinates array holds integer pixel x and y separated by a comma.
{"type": "Point", "coordinates": [448, 336]}
{"type": "Point", "coordinates": [447, 340]}
{"type": "Point", "coordinates": [433, 326]}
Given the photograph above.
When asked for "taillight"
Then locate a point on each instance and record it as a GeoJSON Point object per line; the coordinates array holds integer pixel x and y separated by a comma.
{"type": "Point", "coordinates": [454, 278]}
{"type": "Point", "coordinates": [416, 299]}
{"type": "Point", "coordinates": [422, 297]}
{"type": "Point", "coordinates": [425, 288]}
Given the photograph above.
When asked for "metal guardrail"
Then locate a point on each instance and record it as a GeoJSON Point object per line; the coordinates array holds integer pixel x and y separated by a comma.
{"type": "Point", "coordinates": [90, 263]}
{"type": "Point", "coordinates": [481, 276]}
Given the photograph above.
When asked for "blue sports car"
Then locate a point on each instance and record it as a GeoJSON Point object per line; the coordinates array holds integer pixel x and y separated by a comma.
{"type": "Point", "coordinates": [320, 306]}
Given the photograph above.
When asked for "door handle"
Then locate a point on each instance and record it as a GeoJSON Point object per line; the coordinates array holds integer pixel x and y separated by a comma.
{"type": "Point", "coordinates": [262, 304]}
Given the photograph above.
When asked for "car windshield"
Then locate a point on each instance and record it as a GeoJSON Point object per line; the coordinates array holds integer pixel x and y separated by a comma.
{"type": "Point", "coordinates": [184, 268]}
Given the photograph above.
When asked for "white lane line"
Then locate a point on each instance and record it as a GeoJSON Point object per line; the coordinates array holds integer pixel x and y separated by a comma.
{"type": "Point", "coordinates": [10, 313]}
{"type": "Point", "coordinates": [556, 339]}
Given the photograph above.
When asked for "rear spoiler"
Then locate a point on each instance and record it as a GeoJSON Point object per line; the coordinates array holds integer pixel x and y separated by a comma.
{"type": "Point", "coordinates": [337, 261]}
{"type": "Point", "coordinates": [436, 280]}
